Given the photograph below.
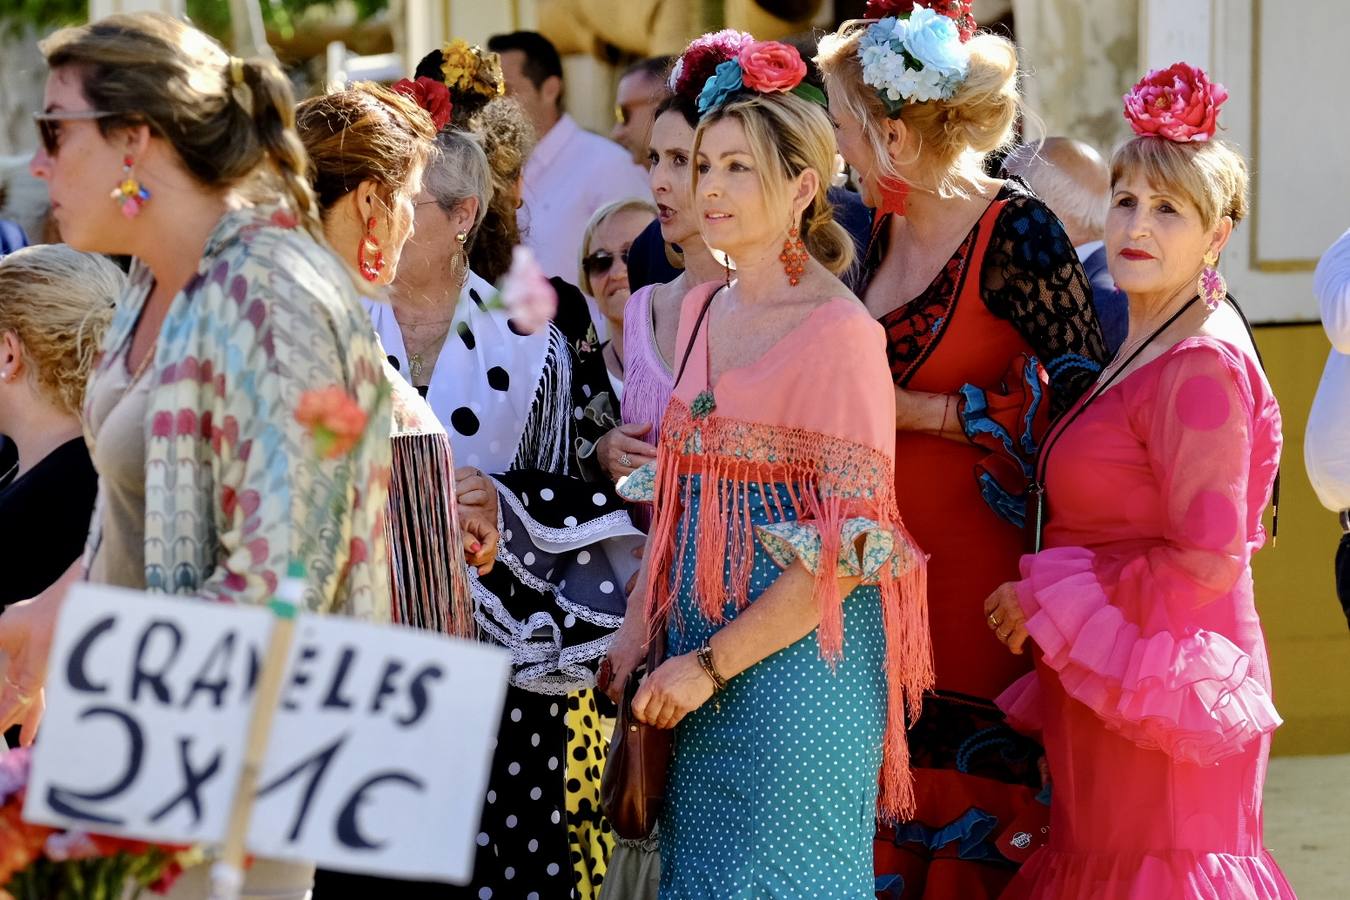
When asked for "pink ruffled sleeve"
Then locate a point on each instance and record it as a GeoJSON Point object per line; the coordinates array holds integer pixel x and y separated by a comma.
{"type": "Point", "coordinates": [1119, 627]}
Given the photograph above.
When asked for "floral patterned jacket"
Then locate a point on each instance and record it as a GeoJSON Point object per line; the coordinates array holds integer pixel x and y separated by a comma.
{"type": "Point", "coordinates": [234, 490]}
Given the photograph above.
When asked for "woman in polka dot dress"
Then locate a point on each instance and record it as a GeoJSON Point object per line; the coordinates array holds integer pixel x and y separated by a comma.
{"type": "Point", "coordinates": [518, 406]}
{"type": "Point", "coordinates": [792, 596]}
{"type": "Point", "coordinates": [1152, 687]}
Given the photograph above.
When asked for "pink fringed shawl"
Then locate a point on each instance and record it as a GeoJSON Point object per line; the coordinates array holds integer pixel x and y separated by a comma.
{"type": "Point", "coordinates": [817, 414]}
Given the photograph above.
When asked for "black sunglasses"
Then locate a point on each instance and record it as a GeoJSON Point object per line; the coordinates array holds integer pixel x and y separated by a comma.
{"type": "Point", "coordinates": [49, 125]}
{"type": "Point", "coordinates": [601, 261]}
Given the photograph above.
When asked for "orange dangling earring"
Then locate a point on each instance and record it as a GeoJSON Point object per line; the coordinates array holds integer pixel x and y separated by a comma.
{"type": "Point", "coordinates": [369, 256]}
{"type": "Point", "coordinates": [1211, 286]}
{"type": "Point", "coordinates": [794, 256]}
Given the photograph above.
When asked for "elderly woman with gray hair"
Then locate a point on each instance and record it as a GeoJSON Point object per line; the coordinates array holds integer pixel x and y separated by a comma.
{"type": "Point", "coordinates": [514, 405]}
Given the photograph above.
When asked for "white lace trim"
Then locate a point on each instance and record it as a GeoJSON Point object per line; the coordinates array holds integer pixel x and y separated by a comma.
{"type": "Point", "coordinates": [561, 540]}
{"type": "Point", "coordinates": [541, 664]}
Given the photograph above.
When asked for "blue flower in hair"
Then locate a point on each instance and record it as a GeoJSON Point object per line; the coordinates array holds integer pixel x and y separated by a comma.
{"type": "Point", "coordinates": [717, 90]}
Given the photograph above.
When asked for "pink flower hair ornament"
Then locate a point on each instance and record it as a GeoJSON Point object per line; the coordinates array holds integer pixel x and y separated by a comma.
{"type": "Point", "coordinates": [701, 58]}
{"type": "Point", "coordinates": [1178, 103]}
{"type": "Point", "coordinates": [761, 67]}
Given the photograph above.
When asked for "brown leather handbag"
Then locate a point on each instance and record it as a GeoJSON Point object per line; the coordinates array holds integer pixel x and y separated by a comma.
{"type": "Point", "coordinates": [633, 787]}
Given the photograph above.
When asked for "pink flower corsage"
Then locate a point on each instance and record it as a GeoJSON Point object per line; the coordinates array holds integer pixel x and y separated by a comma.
{"type": "Point", "coordinates": [1179, 103]}
{"type": "Point", "coordinates": [333, 419]}
{"type": "Point", "coordinates": [431, 95]}
{"type": "Point", "coordinates": [527, 295]}
{"type": "Point", "coordinates": [769, 66]}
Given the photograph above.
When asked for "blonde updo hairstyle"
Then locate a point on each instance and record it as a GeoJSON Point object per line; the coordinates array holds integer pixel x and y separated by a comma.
{"type": "Point", "coordinates": [228, 120]}
{"type": "Point", "coordinates": [788, 135]}
{"type": "Point", "coordinates": [1210, 174]}
{"type": "Point", "coordinates": [508, 139]}
{"type": "Point", "coordinates": [58, 301]}
{"type": "Point", "coordinates": [952, 137]}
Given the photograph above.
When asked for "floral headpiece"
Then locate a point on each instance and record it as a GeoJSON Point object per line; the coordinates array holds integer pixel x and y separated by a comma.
{"type": "Point", "coordinates": [916, 53]}
{"type": "Point", "coordinates": [956, 10]}
{"type": "Point", "coordinates": [469, 68]}
{"type": "Point", "coordinates": [763, 67]}
{"type": "Point", "coordinates": [431, 95]}
{"type": "Point", "coordinates": [701, 58]}
{"type": "Point", "coordinates": [1179, 103]}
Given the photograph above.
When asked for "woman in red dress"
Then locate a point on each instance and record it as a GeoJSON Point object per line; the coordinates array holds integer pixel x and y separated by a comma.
{"type": "Point", "coordinates": [991, 330]}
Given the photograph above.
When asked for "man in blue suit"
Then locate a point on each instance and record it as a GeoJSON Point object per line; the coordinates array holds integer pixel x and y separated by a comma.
{"type": "Point", "coordinates": [1073, 180]}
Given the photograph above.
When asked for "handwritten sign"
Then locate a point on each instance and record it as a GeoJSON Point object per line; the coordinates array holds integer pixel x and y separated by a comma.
{"type": "Point", "coordinates": [378, 757]}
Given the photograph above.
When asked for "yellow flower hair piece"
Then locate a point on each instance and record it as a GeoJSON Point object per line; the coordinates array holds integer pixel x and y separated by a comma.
{"type": "Point", "coordinates": [470, 68]}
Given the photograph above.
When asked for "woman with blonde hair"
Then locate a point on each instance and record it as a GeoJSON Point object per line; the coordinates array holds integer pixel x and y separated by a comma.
{"type": "Point", "coordinates": [774, 514]}
{"type": "Point", "coordinates": [603, 273]}
{"type": "Point", "coordinates": [209, 486]}
{"type": "Point", "coordinates": [1152, 686]}
{"type": "Point", "coordinates": [55, 303]}
{"type": "Point", "coordinates": [981, 294]}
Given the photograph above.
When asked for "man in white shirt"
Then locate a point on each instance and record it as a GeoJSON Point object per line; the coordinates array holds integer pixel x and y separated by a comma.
{"type": "Point", "coordinates": [571, 172]}
{"type": "Point", "coordinates": [641, 89]}
{"type": "Point", "coordinates": [1073, 180]}
{"type": "Point", "coordinates": [1326, 446]}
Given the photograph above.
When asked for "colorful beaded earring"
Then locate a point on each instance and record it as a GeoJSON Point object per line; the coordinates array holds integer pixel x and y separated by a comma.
{"type": "Point", "coordinates": [369, 255]}
{"type": "Point", "coordinates": [794, 256]}
{"type": "Point", "coordinates": [131, 195]}
{"type": "Point", "coordinates": [1211, 287]}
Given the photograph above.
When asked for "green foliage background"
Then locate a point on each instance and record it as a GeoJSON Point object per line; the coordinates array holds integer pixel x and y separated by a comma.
{"type": "Point", "coordinates": [212, 16]}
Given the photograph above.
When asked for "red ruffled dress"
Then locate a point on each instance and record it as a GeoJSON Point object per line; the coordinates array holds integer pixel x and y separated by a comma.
{"type": "Point", "coordinates": [1013, 291]}
{"type": "Point", "coordinates": [1152, 687]}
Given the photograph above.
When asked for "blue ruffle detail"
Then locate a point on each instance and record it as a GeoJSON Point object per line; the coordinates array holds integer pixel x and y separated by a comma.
{"type": "Point", "coordinates": [983, 428]}
{"type": "Point", "coordinates": [1030, 446]}
{"type": "Point", "coordinates": [1007, 506]}
{"type": "Point", "coordinates": [1071, 361]}
{"type": "Point", "coordinates": [890, 887]}
{"type": "Point", "coordinates": [972, 829]}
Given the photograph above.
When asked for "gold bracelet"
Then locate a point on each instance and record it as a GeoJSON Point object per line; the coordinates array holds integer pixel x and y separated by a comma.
{"type": "Point", "coordinates": [704, 656]}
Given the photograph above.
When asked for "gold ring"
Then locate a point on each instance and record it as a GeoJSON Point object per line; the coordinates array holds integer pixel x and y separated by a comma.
{"type": "Point", "coordinates": [994, 623]}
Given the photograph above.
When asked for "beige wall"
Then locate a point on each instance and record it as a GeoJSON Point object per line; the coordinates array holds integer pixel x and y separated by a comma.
{"type": "Point", "coordinates": [1295, 591]}
{"type": "Point", "coordinates": [1079, 58]}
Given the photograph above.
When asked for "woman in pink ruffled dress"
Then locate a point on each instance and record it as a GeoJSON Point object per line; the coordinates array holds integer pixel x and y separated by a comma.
{"type": "Point", "coordinates": [1152, 686]}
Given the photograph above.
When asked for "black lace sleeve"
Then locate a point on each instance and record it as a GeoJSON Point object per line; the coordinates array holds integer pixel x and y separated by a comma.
{"type": "Point", "coordinates": [1032, 279]}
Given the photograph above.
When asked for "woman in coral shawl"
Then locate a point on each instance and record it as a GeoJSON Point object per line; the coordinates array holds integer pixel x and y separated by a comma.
{"type": "Point", "coordinates": [1152, 685]}
{"type": "Point", "coordinates": [790, 596]}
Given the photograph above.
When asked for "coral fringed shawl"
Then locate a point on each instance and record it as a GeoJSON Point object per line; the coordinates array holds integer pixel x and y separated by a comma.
{"type": "Point", "coordinates": [817, 414]}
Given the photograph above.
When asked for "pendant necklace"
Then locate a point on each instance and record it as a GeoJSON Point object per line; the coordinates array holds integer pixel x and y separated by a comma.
{"type": "Point", "coordinates": [705, 402]}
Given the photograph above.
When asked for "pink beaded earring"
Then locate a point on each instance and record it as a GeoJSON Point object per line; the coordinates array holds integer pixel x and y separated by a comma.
{"type": "Point", "coordinates": [131, 195]}
{"type": "Point", "coordinates": [1211, 286]}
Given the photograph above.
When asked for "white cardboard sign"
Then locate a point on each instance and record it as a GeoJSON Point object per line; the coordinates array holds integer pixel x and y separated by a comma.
{"type": "Point", "coordinates": [379, 752]}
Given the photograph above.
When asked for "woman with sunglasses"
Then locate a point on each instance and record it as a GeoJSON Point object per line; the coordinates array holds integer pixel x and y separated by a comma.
{"type": "Point", "coordinates": [185, 135]}
{"type": "Point", "coordinates": [604, 272]}
{"type": "Point", "coordinates": [516, 405]}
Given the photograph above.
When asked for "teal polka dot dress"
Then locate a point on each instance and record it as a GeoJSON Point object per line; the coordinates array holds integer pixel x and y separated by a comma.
{"type": "Point", "coordinates": [774, 795]}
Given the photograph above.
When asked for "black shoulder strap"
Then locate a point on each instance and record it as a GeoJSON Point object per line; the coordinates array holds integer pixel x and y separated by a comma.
{"type": "Point", "coordinates": [693, 335]}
